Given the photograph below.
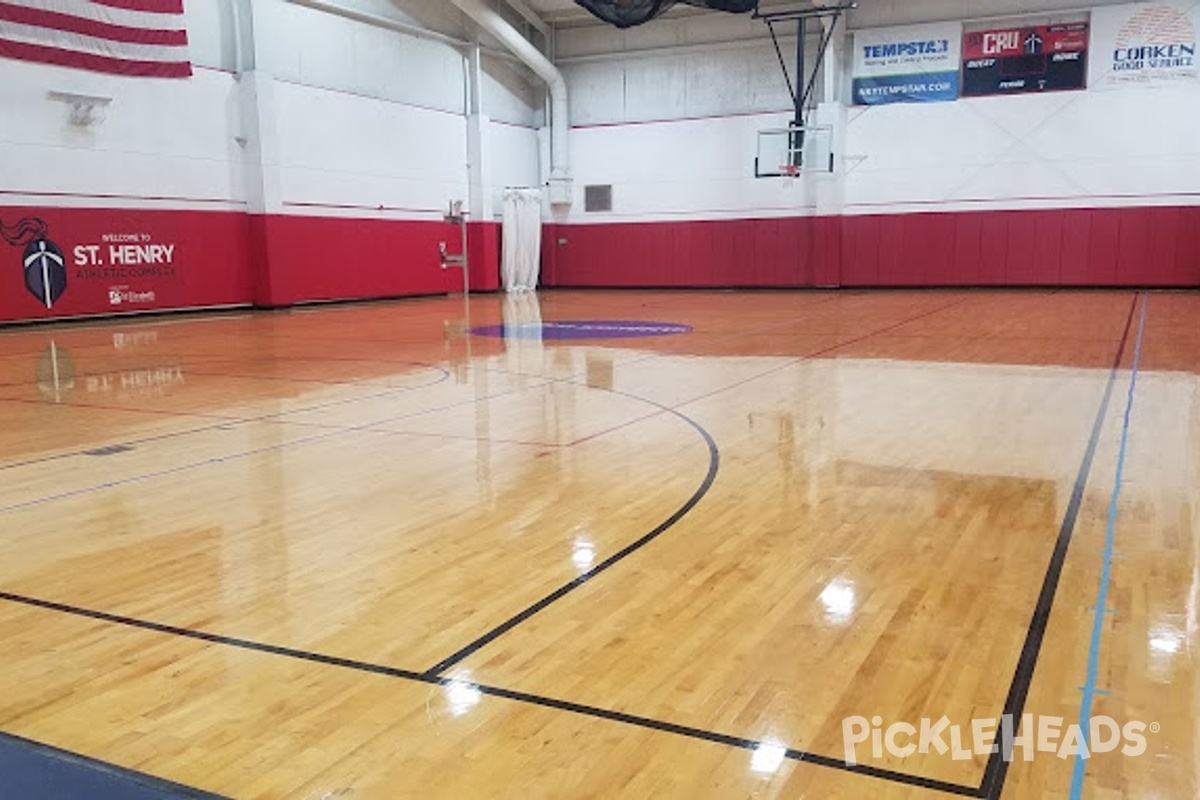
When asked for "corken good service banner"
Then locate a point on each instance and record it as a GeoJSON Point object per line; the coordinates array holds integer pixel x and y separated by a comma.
{"type": "Point", "coordinates": [911, 64]}
{"type": "Point", "coordinates": [1145, 44]}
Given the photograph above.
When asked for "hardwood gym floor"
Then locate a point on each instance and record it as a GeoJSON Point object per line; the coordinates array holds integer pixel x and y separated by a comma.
{"type": "Point", "coordinates": [357, 551]}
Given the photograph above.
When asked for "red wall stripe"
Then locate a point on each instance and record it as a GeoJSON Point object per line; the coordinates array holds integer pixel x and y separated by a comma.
{"type": "Point", "coordinates": [149, 6]}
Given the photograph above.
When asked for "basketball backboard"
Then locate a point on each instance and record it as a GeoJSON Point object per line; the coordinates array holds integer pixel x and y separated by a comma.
{"type": "Point", "coordinates": [793, 151]}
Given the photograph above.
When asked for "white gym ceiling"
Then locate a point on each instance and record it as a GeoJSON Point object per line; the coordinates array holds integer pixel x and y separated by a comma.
{"type": "Point", "coordinates": [869, 13]}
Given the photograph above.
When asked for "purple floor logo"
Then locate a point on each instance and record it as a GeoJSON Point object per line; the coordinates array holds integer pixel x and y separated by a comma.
{"type": "Point", "coordinates": [582, 329]}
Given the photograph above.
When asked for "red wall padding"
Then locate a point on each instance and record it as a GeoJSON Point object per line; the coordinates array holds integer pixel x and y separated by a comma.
{"type": "Point", "coordinates": [483, 242]}
{"type": "Point", "coordinates": [229, 258]}
{"type": "Point", "coordinates": [1145, 246]}
{"type": "Point", "coordinates": [330, 258]}
{"type": "Point", "coordinates": [222, 258]}
{"type": "Point", "coordinates": [209, 262]}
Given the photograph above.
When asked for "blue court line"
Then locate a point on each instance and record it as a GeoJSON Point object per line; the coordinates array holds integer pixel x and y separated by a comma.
{"type": "Point", "coordinates": [1089, 687]}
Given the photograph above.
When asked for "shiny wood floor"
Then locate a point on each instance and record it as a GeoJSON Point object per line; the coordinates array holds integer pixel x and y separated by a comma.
{"type": "Point", "coordinates": [357, 552]}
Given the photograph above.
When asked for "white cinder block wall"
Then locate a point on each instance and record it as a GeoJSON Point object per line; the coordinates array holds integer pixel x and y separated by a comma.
{"type": "Point", "coordinates": [164, 144]}
{"type": "Point", "coordinates": [291, 113]}
{"type": "Point", "coordinates": [669, 115]}
{"type": "Point", "coordinates": [343, 123]}
{"type": "Point", "coordinates": [672, 125]}
{"type": "Point", "coordinates": [362, 117]}
{"type": "Point", "coordinates": [370, 120]}
{"type": "Point", "coordinates": [978, 191]}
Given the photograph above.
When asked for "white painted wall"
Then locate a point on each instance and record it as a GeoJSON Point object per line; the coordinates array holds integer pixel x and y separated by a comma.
{"type": "Point", "coordinates": [347, 117]}
{"type": "Point", "coordinates": [370, 121]}
{"type": "Point", "coordinates": [163, 142]}
{"type": "Point", "coordinates": [300, 45]}
{"type": "Point", "coordinates": [340, 153]}
{"type": "Point", "coordinates": [694, 66]}
{"type": "Point", "coordinates": [668, 114]}
{"type": "Point", "coordinates": [701, 168]}
{"type": "Point", "coordinates": [1136, 146]}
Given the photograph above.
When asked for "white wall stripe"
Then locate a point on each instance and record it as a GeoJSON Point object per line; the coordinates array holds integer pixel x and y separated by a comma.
{"type": "Point", "coordinates": [99, 13]}
{"type": "Point", "coordinates": [30, 34]}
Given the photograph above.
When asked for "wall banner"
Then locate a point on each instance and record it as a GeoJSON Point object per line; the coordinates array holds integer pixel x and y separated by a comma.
{"type": "Point", "coordinates": [1033, 58]}
{"type": "Point", "coordinates": [912, 64]}
{"type": "Point", "coordinates": [1144, 44]}
{"type": "Point", "coordinates": [65, 262]}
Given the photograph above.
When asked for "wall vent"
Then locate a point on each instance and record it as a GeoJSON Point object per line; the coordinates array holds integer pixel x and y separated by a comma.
{"type": "Point", "coordinates": [597, 198]}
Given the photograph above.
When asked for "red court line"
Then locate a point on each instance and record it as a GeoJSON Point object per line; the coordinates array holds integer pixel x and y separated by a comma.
{"type": "Point", "coordinates": [790, 363]}
{"type": "Point", "coordinates": [222, 424]}
{"type": "Point", "coordinates": [376, 427]}
{"type": "Point", "coordinates": [216, 460]}
{"type": "Point", "coordinates": [96, 407]}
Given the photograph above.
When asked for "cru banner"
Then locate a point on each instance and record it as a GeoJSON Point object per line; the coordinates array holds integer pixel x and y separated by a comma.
{"type": "Point", "coordinates": [913, 64]}
{"type": "Point", "coordinates": [1149, 43]}
{"type": "Point", "coordinates": [1032, 58]}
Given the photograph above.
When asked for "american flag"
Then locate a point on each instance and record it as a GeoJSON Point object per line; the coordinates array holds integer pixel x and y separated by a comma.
{"type": "Point", "coordinates": [125, 37]}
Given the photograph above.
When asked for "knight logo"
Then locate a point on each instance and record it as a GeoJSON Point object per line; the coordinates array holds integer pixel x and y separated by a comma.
{"type": "Point", "coordinates": [42, 260]}
{"type": "Point", "coordinates": [1158, 39]}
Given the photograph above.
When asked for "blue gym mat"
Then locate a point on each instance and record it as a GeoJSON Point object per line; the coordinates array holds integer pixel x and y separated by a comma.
{"type": "Point", "coordinates": [32, 771]}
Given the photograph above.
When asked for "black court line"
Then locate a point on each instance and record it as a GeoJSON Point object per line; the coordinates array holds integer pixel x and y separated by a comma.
{"type": "Point", "coordinates": [492, 691]}
{"type": "Point", "coordinates": [714, 464]}
{"type": "Point", "coordinates": [432, 676]}
{"type": "Point", "coordinates": [996, 771]}
{"type": "Point", "coordinates": [54, 754]}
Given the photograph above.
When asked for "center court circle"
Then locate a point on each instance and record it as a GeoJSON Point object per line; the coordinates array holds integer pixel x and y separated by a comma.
{"type": "Point", "coordinates": [583, 329]}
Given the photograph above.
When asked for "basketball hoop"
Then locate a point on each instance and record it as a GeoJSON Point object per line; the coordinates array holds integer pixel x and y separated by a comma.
{"type": "Point", "coordinates": [789, 170]}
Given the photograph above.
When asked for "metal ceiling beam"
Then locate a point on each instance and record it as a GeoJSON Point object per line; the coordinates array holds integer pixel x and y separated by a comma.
{"type": "Point", "coordinates": [804, 13]}
{"type": "Point", "coordinates": [381, 22]}
{"type": "Point", "coordinates": [398, 26]}
{"type": "Point", "coordinates": [530, 16]}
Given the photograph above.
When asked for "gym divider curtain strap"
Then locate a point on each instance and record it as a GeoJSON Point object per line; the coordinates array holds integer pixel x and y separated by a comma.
{"type": "Point", "coordinates": [521, 265]}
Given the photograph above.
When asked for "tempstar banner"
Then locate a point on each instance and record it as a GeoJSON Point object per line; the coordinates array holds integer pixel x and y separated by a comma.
{"type": "Point", "coordinates": [1148, 43]}
{"type": "Point", "coordinates": [913, 64]}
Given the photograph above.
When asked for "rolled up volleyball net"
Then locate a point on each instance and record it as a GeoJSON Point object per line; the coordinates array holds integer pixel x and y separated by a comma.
{"type": "Point", "coordinates": [627, 13]}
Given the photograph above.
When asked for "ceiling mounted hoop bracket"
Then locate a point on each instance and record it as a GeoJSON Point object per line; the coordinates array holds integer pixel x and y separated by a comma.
{"type": "Point", "coordinates": [86, 109]}
{"type": "Point", "coordinates": [801, 90]}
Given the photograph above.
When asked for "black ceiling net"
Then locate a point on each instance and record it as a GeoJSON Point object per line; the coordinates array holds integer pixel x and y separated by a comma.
{"type": "Point", "coordinates": [627, 13]}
